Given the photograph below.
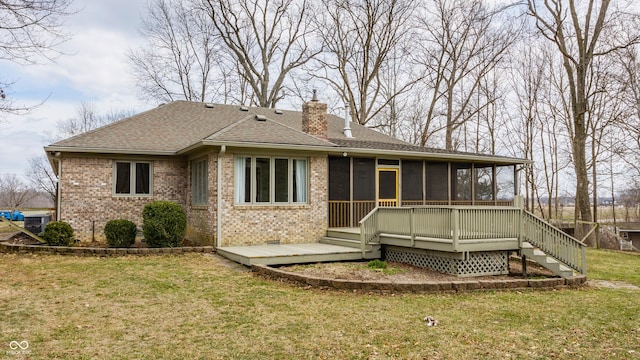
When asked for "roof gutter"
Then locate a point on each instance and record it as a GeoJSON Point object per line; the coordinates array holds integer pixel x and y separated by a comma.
{"type": "Point", "coordinates": [329, 148]}
{"type": "Point", "coordinates": [71, 149]}
{"type": "Point", "coordinates": [323, 148]}
{"type": "Point", "coordinates": [433, 155]}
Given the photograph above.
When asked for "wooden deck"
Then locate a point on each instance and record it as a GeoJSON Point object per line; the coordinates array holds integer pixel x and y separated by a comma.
{"type": "Point", "coordinates": [289, 254]}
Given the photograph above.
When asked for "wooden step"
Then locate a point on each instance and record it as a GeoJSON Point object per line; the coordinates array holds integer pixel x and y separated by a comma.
{"type": "Point", "coordinates": [344, 233]}
{"type": "Point", "coordinates": [340, 241]}
{"type": "Point", "coordinates": [546, 261]}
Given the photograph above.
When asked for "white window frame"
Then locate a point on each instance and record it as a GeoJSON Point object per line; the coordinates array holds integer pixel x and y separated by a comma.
{"type": "Point", "coordinates": [272, 183]}
{"type": "Point", "coordinates": [132, 178]}
{"type": "Point", "coordinates": [200, 181]}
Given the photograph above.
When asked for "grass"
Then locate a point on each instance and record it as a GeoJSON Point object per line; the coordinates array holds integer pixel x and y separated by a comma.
{"type": "Point", "coordinates": [195, 306]}
{"type": "Point", "coordinates": [614, 265]}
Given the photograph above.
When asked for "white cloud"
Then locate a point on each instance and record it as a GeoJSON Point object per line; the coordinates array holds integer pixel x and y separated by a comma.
{"type": "Point", "coordinates": [95, 69]}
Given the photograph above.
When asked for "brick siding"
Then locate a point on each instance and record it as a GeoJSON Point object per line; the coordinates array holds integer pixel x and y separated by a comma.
{"type": "Point", "coordinates": [88, 203]}
{"type": "Point", "coordinates": [287, 224]}
{"type": "Point", "coordinates": [201, 219]}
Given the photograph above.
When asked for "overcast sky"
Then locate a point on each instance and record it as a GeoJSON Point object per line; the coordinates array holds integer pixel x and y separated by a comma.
{"type": "Point", "coordinates": [95, 70]}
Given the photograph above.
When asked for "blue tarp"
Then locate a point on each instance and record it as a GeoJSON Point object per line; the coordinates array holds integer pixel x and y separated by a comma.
{"type": "Point", "coordinates": [16, 216]}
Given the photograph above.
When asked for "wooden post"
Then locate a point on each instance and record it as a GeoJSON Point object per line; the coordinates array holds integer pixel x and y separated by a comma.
{"type": "Point", "coordinates": [412, 215]}
{"type": "Point", "coordinates": [455, 223]}
{"type": "Point", "coordinates": [524, 265]}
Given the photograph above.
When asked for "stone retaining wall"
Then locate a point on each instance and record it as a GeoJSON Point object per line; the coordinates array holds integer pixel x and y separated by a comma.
{"type": "Point", "coordinates": [91, 251]}
{"type": "Point", "coordinates": [432, 286]}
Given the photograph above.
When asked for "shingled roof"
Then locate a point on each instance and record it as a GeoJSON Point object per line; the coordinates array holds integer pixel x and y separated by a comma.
{"type": "Point", "coordinates": [179, 126]}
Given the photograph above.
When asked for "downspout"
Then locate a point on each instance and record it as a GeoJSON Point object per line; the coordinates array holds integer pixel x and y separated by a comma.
{"type": "Point", "coordinates": [58, 188]}
{"type": "Point", "coordinates": [223, 150]}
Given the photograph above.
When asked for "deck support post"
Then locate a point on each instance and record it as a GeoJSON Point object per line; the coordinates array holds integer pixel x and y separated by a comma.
{"type": "Point", "coordinates": [524, 265]}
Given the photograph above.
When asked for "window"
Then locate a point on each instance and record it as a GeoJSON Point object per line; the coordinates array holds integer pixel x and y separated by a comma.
{"type": "Point", "coordinates": [199, 181]}
{"type": "Point", "coordinates": [132, 178]}
{"type": "Point", "coordinates": [270, 180]}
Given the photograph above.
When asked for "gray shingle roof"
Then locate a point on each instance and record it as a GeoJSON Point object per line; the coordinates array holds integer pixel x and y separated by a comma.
{"type": "Point", "coordinates": [179, 125]}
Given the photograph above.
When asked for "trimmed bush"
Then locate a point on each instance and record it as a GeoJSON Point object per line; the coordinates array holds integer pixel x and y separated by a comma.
{"type": "Point", "coordinates": [58, 233]}
{"type": "Point", "coordinates": [164, 224]}
{"type": "Point", "coordinates": [120, 233]}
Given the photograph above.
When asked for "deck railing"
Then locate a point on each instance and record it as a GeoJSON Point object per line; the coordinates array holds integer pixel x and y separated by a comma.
{"type": "Point", "coordinates": [453, 223]}
{"type": "Point", "coordinates": [345, 213]}
{"type": "Point", "coordinates": [554, 242]}
{"type": "Point", "coordinates": [460, 223]}
{"type": "Point", "coordinates": [348, 213]}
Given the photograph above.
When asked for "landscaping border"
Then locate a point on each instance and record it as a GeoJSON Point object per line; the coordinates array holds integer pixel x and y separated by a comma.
{"type": "Point", "coordinates": [94, 251]}
{"type": "Point", "coordinates": [416, 287]}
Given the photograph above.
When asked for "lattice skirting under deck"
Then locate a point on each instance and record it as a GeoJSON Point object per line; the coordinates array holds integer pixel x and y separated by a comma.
{"type": "Point", "coordinates": [475, 264]}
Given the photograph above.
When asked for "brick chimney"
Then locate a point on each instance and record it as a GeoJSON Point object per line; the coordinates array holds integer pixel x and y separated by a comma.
{"type": "Point", "coordinates": [314, 117]}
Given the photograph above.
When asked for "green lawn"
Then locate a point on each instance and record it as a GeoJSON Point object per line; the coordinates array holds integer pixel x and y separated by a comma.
{"type": "Point", "coordinates": [195, 306]}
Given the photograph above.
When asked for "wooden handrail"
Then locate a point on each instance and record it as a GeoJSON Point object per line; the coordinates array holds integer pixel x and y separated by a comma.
{"type": "Point", "coordinates": [555, 242]}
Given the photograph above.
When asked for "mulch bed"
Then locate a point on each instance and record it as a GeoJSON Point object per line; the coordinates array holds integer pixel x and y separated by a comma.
{"type": "Point", "coordinates": [360, 272]}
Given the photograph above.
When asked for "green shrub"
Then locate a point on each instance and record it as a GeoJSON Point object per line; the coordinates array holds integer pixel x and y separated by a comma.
{"type": "Point", "coordinates": [377, 264]}
{"type": "Point", "coordinates": [120, 233]}
{"type": "Point", "coordinates": [164, 224]}
{"type": "Point", "coordinates": [58, 233]}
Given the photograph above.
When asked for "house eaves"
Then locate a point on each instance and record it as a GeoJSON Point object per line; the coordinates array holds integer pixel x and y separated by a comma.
{"type": "Point", "coordinates": [76, 149]}
{"type": "Point", "coordinates": [256, 145]}
{"type": "Point", "coordinates": [431, 155]}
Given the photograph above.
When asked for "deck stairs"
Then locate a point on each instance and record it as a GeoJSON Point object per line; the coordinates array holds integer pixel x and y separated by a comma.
{"type": "Point", "coordinates": [546, 261]}
{"type": "Point", "coordinates": [350, 237]}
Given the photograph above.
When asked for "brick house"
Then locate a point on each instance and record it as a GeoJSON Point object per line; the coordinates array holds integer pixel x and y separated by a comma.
{"type": "Point", "coordinates": [249, 176]}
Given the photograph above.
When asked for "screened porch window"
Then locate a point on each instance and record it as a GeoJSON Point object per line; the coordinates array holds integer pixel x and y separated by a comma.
{"type": "Point", "coordinates": [462, 181]}
{"type": "Point", "coordinates": [437, 177]}
{"type": "Point", "coordinates": [505, 182]}
{"type": "Point", "coordinates": [411, 180]}
{"type": "Point", "coordinates": [132, 178]}
{"type": "Point", "coordinates": [483, 182]}
{"type": "Point", "coordinates": [270, 180]}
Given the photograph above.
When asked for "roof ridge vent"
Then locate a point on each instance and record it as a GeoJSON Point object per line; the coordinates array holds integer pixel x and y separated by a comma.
{"type": "Point", "coordinates": [209, 105]}
{"type": "Point", "coordinates": [278, 111]}
{"type": "Point", "coordinates": [261, 118]}
{"type": "Point", "coordinates": [244, 108]}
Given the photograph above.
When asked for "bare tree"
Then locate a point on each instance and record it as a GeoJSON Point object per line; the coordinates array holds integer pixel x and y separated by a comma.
{"type": "Point", "coordinates": [629, 78]}
{"type": "Point", "coordinates": [527, 81]}
{"type": "Point", "coordinates": [363, 44]}
{"type": "Point", "coordinates": [86, 119]}
{"type": "Point", "coordinates": [39, 171]}
{"type": "Point", "coordinates": [464, 41]}
{"type": "Point", "coordinates": [14, 192]}
{"type": "Point", "coordinates": [575, 29]}
{"type": "Point", "coordinates": [182, 58]}
{"type": "Point", "coordinates": [29, 30]}
{"type": "Point", "coordinates": [42, 176]}
{"type": "Point", "coordinates": [267, 39]}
